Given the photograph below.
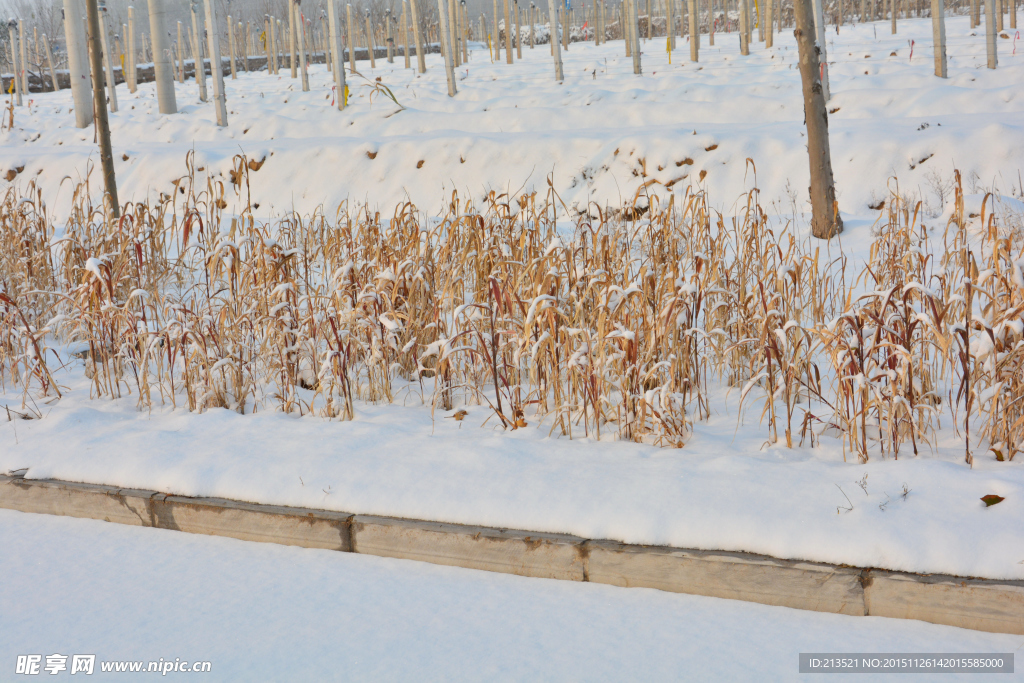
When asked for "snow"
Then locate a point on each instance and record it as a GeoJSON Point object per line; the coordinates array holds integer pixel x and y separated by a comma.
{"type": "Point", "coordinates": [268, 612]}
{"type": "Point", "coordinates": [726, 489]}
{"type": "Point", "coordinates": [599, 135]}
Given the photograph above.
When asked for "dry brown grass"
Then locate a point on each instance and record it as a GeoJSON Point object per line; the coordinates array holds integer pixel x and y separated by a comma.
{"type": "Point", "coordinates": [619, 328]}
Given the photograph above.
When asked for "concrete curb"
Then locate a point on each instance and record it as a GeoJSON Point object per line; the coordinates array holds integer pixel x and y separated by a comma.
{"type": "Point", "coordinates": [978, 604]}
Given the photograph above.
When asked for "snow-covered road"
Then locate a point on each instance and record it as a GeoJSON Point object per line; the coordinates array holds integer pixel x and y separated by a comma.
{"type": "Point", "coordinates": [272, 613]}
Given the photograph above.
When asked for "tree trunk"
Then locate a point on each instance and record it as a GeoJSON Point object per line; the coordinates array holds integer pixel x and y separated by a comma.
{"type": "Point", "coordinates": [825, 220]}
{"type": "Point", "coordinates": [102, 126]}
{"type": "Point", "coordinates": [78, 67]}
{"type": "Point", "coordinates": [197, 52]}
{"type": "Point", "coordinates": [446, 48]}
{"type": "Point", "coordinates": [216, 66]}
{"type": "Point", "coordinates": [990, 33]}
{"type": "Point", "coordinates": [420, 58]}
{"type": "Point", "coordinates": [338, 57]}
{"type": "Point", "coordinates": [939, 37]}
{"type": "Point", "coordinates": [162, 70]}
{"type": "Point", "coordinates": [694, 32]}
{"type": "Point", "coordinates": [819, 32]}
{"type": "Point", "coordinates": [555, 49]}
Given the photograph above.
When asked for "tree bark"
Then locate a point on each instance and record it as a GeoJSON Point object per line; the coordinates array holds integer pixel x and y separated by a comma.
{"type": "Point", "coordinates": [694, 32]}
{"type": "Point", "coordinates": [420, 58]}
{"type": "Point", "coordinates": [78, 66]}
{"type": "Point", "coordinates": [939, 37]}
{"type": "Point", "coordinates": [555, 47]}
{"type": "Point", "coordinates": [446, 47]}
{"type": "Point", "coordinates": [162, 69]}
{"type": "Point", "coordinates": [825, 220]}
{"type": "Point", "coordinates": [216, 65]}
{"type": "Point", "coordinates": [990, 33]}
{"type": "Point", "coordinates": [338, 56]}
{"type": "Point", "coordinates": [102, 125]}
{"type": "Point", "coordinates": [197, 52]}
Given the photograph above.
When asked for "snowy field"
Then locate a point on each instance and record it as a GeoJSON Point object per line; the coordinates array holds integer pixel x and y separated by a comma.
{"type": "Point", "coordinates": [602, 134]}
{"type": "Point", "coordinates": [271, 613]}
{"type": "Point", "coordinates": [599, 135]}
{"type": "Point", "coordinates": [724, 490]}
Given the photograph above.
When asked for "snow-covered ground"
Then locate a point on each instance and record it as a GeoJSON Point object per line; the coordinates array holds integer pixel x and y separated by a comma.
{"type": "Point", "coordinates": [725, 490]}
{"type": "Point", "coordinates": [271, 613]}
{"type": "Point", "coordinates": [600, 134]}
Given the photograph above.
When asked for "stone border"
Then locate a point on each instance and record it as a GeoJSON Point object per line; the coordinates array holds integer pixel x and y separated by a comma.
{"type": "Point", "coordinates": [982, 605]}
